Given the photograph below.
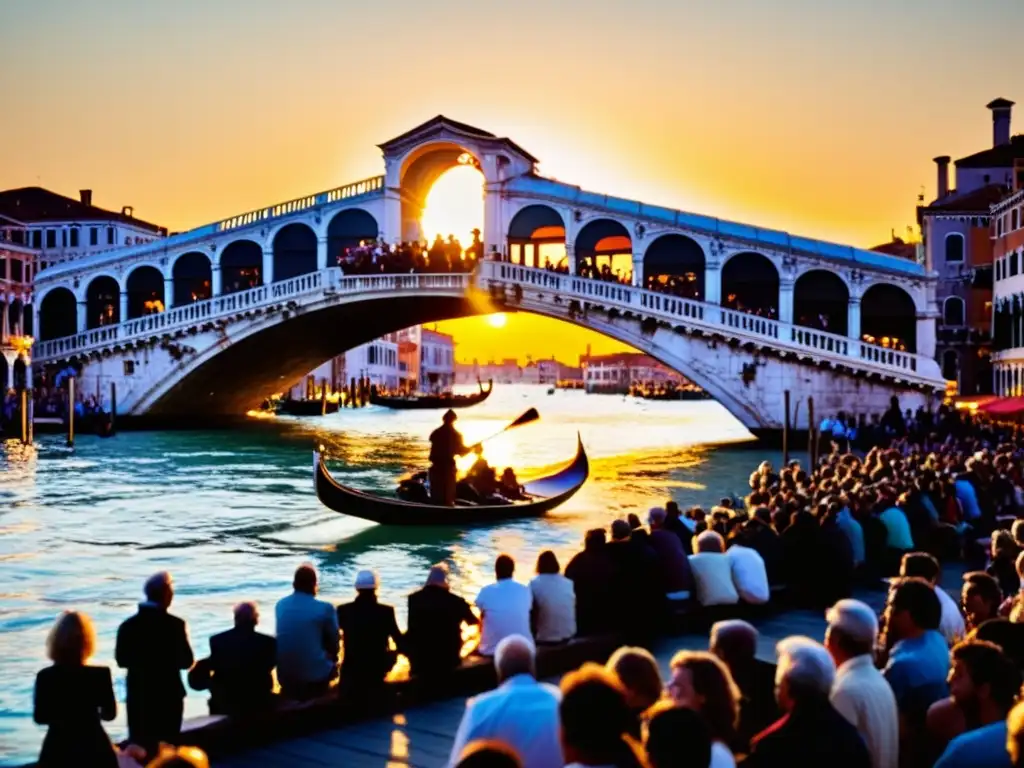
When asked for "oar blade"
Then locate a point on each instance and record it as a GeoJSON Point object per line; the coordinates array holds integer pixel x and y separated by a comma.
{"type": "Point", "coordinates": [526, 418]}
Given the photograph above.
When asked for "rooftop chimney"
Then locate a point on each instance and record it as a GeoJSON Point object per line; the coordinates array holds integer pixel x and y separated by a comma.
{"type": "Point", "coordinates": [127, 210]}
{"type": "Point", "coordinates": [86, 196]}
{"type": "Point", "coordinates": [942, 176]}
{"type": "Point", "coordinates": [1001, 109]}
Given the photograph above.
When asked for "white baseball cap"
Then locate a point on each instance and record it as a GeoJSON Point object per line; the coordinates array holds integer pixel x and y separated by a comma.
{"type": "Point", "coordinates": [367, 580]}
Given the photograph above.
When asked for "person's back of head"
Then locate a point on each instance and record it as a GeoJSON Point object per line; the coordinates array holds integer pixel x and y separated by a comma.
{"type": "Point", "coordinates": [676, 737]}
{"type": "Point", "coordinates": [305, 579]}
{"type": "Point", "coordinates": [547, 563]}
{"type": "Point", "coordinates": [671, 510]}
{"type": "Point", "coordinates": [595, 720]}
{"type": "Point", "coordinates": [656, 517]}
{"type": "Point", "coordinates": [734, 641]}
{"type": "Point", "coordinates": [595, 539]}
{"type": "Point", "coordinates": [515, 655]}
{"type": "Point", "coordinates": [620, 530]}
{"type": "Point", "coordinates": [852, 630]}
{"type": "Point", "coordinates": [804, 674]}
{"type": "Point", "coordinates": [488, 753]}
{"type": "Point", "coordinates": [709, 541]}
{"type": "Point", "coordinates": [916, 599]}
{"type": "Point", "coordinates": [638, 672]}
{"type": "Point", "coordinates": [159, 589]}
{"type": "Point", "coordinates": [504, 567]}
{"type": "Point", "coordinates": [72, 639]}
{"type": "Point", "coordinates": [920, 565]}
{"type": "Point", "coordinates": [437, 576]}
{"type": "Point", "coordinates": [246, 615]}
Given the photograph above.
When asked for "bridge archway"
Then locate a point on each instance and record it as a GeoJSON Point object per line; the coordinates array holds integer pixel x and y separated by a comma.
{"type": "Point", "coordinates": [750, 283]}
{"type": "Point", "coordinates": [536, 235]}
{"type": "Point", "coordinates": [420, 170]}
{"type": "Point", "coordinates": [145, 289]}
{"type": "Point", "coordinates": [241, 266]}
{"type": "Point", "coordinates": [102, 302]}
{"type": "Point", "coordinates": [889, 317]}
{"type": "Point", "coordinates": [346, 230]}
{"type": "Point", "coordinates": [603, 249]}
{"type": "Point", "coordinates": [192, 275]}
{"type": "Point", "coordinates": [674, 264]}
{"type": "Point", "coordinates": [294, 251]}
{"type": "Point", "coordinates": [821, 300]}
{"type": "Point", "coordinates": [58, 314]}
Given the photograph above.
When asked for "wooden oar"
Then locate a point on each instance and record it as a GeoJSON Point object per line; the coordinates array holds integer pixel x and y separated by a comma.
{"type": "Point", "coordinates": [528, 417]}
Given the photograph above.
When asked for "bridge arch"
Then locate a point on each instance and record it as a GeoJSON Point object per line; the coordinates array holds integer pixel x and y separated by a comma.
{"type": "Point", "coordinates": [58, 314]}
{"type": "Point", "coordinates": [675, 263]}
{"type": "Point", "coordinates": [145, 288]}
{"type": "Point", "coordinates": [533, 227]}
{"type": "Point", "coordinates": [102, 302]}
{"type": "Point", "coordinates": [294, 251]}
{"type": "Point", "coordinates": [241, 266]}
{"type": "Point", "coordinates": [598, 243]}
{"type": "Point", "coordinates": [192, 276]}
{"type": "Point", "coordinates": [889, 316]}
{"type": "Point", "coordinates": [346, 229]}
{"type": "Point", "coordinates": [750, 283]}
{"type": "Point", "coordinates": [821, 300]}
{"type": "Point", "coordinates": [419, 169]}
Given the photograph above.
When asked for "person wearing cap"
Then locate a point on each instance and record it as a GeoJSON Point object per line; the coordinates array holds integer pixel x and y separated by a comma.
{"type": "Point", "coordinates": [860, 692]}
{"type": "Point", "coordinates": [367, 628]}
{"type": "Point", "coordinates": [445, 445]}
{"type": "Point", "coordinates": [436, 615]}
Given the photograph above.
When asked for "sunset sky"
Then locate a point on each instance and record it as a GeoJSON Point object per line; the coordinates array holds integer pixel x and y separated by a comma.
{"type": "Point", "coordinates": [820, 118]}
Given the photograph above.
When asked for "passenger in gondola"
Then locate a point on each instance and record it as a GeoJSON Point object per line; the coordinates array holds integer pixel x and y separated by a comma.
{"type": "Point", "coordinates": [510, 487]}
{"type": "Point", "coordinates": [445, 444]}
{"type": "Point", "coordinates": [482, 475]}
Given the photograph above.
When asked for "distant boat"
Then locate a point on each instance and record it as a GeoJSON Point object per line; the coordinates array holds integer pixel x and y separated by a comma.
{"type": "Point", "coordinates": [429, 402]}
{"type": "Point", "coordinates": [307, 407]}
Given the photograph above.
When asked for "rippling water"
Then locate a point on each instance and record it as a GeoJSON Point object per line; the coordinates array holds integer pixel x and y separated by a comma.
{"type": "Point", "coordinates": [231, 514]}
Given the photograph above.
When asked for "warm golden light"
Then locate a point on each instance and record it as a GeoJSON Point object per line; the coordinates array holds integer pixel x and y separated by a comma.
{"type": "Point", "coordinates": [497, 320]}
{"type": "Point", "coordinates": [455, 205]}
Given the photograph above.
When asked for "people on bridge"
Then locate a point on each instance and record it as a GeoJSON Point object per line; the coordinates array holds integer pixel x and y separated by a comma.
{"type": "Point", "coordinates": [445, 445]}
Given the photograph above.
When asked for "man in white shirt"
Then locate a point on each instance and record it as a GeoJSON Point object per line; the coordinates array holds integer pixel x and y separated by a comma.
{"type": "Point", "coordinates": [504, 607]}
{"type": "Point", "coordinates": [749, 575]}
{"type": "Point", "coordinates": [712, 571]}
{"type": "Point", "coordinates": [860, 692]}
{"type": "Point", "coordinates": [307, 639]}
{"type": "Point", "coordinates": [923, 565]}
{"type": "Point", "coordinates": [520, 712]}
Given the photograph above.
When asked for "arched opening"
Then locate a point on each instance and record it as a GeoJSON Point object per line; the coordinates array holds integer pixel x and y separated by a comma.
{"type": "Point", "coordinates": [15, 311]}
{"type": "Point", "coordinates": [145, 287]}
{"type": "Point", "coordinates": [821, 300]}
{"type": "Point", "coordinates": [453, 214]}
{"type": "Point", "coordinates": [347, 230]}
{"type": "Point", "coordinates": [953, 311]}
{"type": "Point", "coordinates": [102, 302]}
{"type": "Point", "coordinates": [192, 275]}
{"type": "Point", "coordinates": [536, 238]}
{"type": "Point", "coordinates": [750, 283]}
{"type": "Point", "coordinates": [294, 252]}
{"type": "Point", "coordinates": [442, 194]}
{"type": "Point", "coordinates": [954, 248]}
{"type": "Point", "coordinates": [58, 315]}
{"type": "Point", "coordinates": [889, 317]}
{"type": "Point", "coordinates": [604, 250]}
{"type": "Point", "coordinates": [675, 264]}
{"type": "Point", "coordinates": [20, 374]}
{"type": "Point", "coordinates": [29, 328]}
{"type": "Point", "coordinates": [950, 365]}
{"type": "Point", "coordinates": [241, 266]}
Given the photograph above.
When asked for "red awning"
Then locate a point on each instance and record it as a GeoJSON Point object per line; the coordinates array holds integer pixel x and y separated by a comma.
{"type": "Point", "coordinates": [1005, 406]}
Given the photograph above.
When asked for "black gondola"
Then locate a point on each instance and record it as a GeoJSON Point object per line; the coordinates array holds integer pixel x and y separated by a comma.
{"type": "Point", "coordinates": [546, 492]}
{"type": "Point", "coordinates": [430, 402]}
{"type": "Point", "coordinates": [307, 407]}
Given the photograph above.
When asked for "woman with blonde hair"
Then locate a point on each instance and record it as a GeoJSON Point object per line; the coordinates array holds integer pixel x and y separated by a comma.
{"type": "Point", "coordinates": [72, 697]}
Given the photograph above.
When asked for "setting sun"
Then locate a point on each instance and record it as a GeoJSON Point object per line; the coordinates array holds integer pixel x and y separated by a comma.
{"type": "Point", "coordinates": [455, 205]}
{"type": "Point", "coordinates": [497, 320]}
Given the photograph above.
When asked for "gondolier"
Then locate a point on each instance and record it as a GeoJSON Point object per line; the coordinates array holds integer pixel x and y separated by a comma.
{"type": "Point", "coordinates": [445, 444]}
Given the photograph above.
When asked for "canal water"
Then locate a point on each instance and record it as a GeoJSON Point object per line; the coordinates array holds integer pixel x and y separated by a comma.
{"type": "Point", "coordinates": [231, 514]}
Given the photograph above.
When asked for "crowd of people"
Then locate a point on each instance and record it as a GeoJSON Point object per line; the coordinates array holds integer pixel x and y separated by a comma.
{"type": "Point", "coordinates": [379, 257]}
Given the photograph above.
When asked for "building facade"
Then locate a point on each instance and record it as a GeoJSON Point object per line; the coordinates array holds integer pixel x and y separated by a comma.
{"type": "Point", "coordinates": [437, 361]}
{"type": "Point", "coordinates": [1008, 318]}
{"type": "Point", "coordinates": [617, 373]}
{"type": "Point", "coordinates": [17, 268]}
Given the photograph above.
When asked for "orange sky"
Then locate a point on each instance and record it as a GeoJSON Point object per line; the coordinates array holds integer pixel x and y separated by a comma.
{"type": "Point", "coordinates": [818, 118]}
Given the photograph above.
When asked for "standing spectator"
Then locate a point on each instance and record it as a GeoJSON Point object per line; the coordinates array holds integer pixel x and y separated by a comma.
{"type": "Point", "coordinates": [712, 571]}
{"type": "Point", "coordinates": [981, 598]}
{"type": "Point", "coordinates": [520, 712]}
{"type": "Point", "coordinates": [153, 646]}
{"type": "Point", "coordinates": [925, 566]}
{"type": "Point", "coordinates": [701, 682]}
{"type": "Point", "coordinates": [749, 575]}
{"type": "Point", "coordinates": [860, 693]}
{"type": "Point", "coordinates": [554, 602]}
{"type": "Point", "coordinates": [368, 628]}
{"type": "Point", "coordinates": [596, 720]}
{"type": "Point", "coordinates": [434, 639]}
{"type": "Point", "coordinates": [593, 577]}
{"type": "Point", "coordinates": [72, 697]}
{"type": "Point", "coordinates": [307, 639]}
{"type": "Point", "coordinates": [504, 607]}
{"type": "Point", "coordinates": [676, 577]}
{"type": "Point", "coordinates": [242, 663]}
{"type": "Point", "coordinates": [735, 642]}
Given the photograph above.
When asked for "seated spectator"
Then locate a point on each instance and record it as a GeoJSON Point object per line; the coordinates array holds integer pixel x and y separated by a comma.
{"type": "Point", "coordinates": [677, 736]}
{"type": "Point", "coordinates": [241, 666]}
{"type": "Point", "coordinates": [307, 639]}
{"type": "Point", "coordinates": [748, 574]}
{"type": "Point", "coordinates": [673, 564]}
{"type": "Point", "coordinates": [925, 566]}
{"type": "Point", "coordinates": [1007, 634]}
{"type": "Point", "coordinates": [488, 754]}
{"type": "Point", "coordinates": [674, 523]}
{"type": "Point", "coordinates": [433, 642]}
{"type": "Point", "coordinates": [860, 693]}
{"type": "Point", "coordinates": [981, 598]}
{"type": "Point", "coordinates": [758, 534]}
{"type": "Point", "coordinates": [596, 720]}
{"type": "Point", "coordinates": [593, 577]}
{"type": "Point", "coordinates": [637, 671]}
{"type": "Point", "coordinates": [735, 643]}
{"type": "Point", "coordinates": [701, 682]}
{"type": "Point", "coordinates": [368, 629]}
{"type": "Point", "coordinates": [1003, 567]}
{"type": "Point", "coordinates": [72, 697]}
{"type": "Point", "coordinates": [637, 597]}
{"type": "Point", "coordinates": [810, 725]}
{"type": "Point", "coordinates": [504, 607]}
{"type": "Point", "coordinates": [712, 571]}
{"type": "Point", "coordinates": [554, 602]}
{"type": "Point", "coordinates": [521, 712]}
{"type": "Point", "coordinates": [898, 538]}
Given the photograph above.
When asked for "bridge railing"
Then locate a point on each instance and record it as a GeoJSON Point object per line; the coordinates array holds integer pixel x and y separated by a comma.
{"type": "Point", "coordinates": [707, 316]}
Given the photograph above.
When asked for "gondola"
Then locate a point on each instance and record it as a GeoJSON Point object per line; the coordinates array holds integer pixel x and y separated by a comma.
{"type": "Point", "coordinates": [428, 402]}
{"type": "Point", "coordinates": [546, 492]}
{"type": "Point", "coordinates": [306, 407]}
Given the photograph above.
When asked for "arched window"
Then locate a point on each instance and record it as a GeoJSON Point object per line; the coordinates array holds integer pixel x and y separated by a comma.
{"type": "Point", "coordinates": [953, 311]}
{"type": "Point", "coordinates": [954, 248]}
{"type": "Point", "coordinates": [1014, 263]}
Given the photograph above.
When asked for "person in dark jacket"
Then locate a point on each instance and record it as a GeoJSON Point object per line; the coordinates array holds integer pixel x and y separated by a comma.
{"type": "Point", "coordinates": [72, 697]}
{"type": "Point", "coordinates": [638, 600]}
{"type": "Point", "coordinates": [811, 728]}
{"type": "Point", "coordinates": [593, 576]}
{"type": "Point", "coordinates": [241, 664]}
{"type": "Point", "coordinates": [445, 444]}
{"type": "Point", "coordinates": [153, 646]}
{"type": "Point", "coordinates": [674, 522]}
{"type": "Point", "coordinates": [433, 641]}
{"type": "Point", "coordinates": [367, 627]}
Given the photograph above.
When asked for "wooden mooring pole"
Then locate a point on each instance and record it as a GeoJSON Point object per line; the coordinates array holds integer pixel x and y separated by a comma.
{"type": "Point", "coordinates": [785, 429]}
{"type": "Point", "coordinates": [24, 417]}
{"type": "Point", "coordinates": [113, 405]}
{"type": "Point", "coordinates": [71, 411]}
{"type": "Point", "coordinates": [810, 434]}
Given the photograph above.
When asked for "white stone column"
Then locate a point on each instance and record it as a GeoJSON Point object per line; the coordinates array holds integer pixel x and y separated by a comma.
{"type": "Point", "coordinates": [570, 256]}
{"type": "Point", "coordinates": [168, 292]}
{"type": "Point", "coordinates": [28, 374]}
{"type": "Point", "coordinates": [926, 334]}
{"type": "Point", "coordinates": [786, 300]}
{"type": "Point", "coordinates": [713, 283]}
{"type": "Point", "coordinates": [268, 265]}
{"type": "Point", "coordinates": [4, 331]}
{"type": "Point", "coordinates": [391, 227]}
{"type": "Point", "coordinates": [494, 229]}
{"type": "Point", "coordinates": [82, 322]}
{"type": "Point", "coordinates": [853, 318]}
{"type": "Point", "coordinates": [638, 269]}
{"type": "Point", "coordinates": [321, 254]}
{"type": "Point", "coordinates": [11, 358]}
{"type": "Point", "coordinates": [124, 307]}
{"type": "Point", "coordinates": [215, 281]}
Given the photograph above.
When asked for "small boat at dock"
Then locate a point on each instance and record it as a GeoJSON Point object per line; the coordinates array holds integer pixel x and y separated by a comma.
{"type": "Point", "coordinates": [431, 402]}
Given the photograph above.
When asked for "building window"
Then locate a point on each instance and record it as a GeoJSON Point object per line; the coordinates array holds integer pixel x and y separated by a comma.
{"type": "Point", "coordinates": [94, 236]}
{"type": "Point", "coordinates": [954, 248]}
{"type": "Point", "coordinates": [1014, 264]}
{"type": "Point", "coordinates": [51, 238]}
{"type": "Point", "coordinates": [953, 311]}
{"type": "Point", "coordinates": [74, 237]}
{"type": "Point", "coordinates": [129, 367]}
{"type": "Point", "coordinates": [37, 238]}
{"type": "Point", "coordinates": [110, 235]}
{"type": "Point", "coordinates": [1013, 219]}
